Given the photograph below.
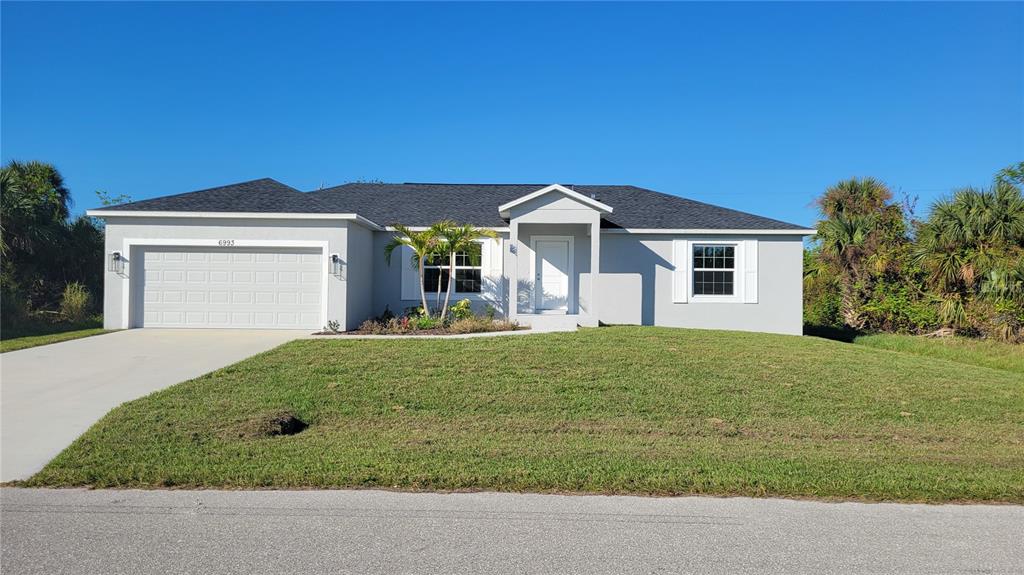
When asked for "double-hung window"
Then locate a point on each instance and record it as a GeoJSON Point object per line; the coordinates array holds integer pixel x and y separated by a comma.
{"type": "Point", "coordinates": [468, 271]}
{"type": "Point", "coordinates": [714, 269]}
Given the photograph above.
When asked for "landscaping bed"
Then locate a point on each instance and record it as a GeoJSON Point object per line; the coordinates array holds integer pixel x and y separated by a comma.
{"type": "Point", "coordinates": [605, 410]}
{"type": "Point", "coordinates": [453, 328]}
{"type": "Point", "coordinates": [459, 320]}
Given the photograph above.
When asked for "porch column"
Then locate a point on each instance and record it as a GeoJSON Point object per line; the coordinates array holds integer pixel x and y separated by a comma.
{"type": "Point", "coordinates": [595, 266]}
{"type": "Point", "coordinates": [513, 270]}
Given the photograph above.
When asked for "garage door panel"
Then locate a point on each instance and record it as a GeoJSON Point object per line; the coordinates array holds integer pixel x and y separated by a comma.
{"type": "Point", "coordinates": [231, 287]}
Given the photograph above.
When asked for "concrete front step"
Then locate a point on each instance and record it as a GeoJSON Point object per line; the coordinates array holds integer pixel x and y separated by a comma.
{"type": "Point", "coordinates": [551, 322]}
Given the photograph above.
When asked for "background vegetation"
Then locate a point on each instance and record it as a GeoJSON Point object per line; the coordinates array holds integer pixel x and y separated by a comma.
{"type": "Point", "coordinates": [875, 267]}
{"type": "Point", "coordinates": [51, 275]}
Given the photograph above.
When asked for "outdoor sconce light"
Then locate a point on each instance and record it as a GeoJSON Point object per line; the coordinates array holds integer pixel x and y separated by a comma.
{"type": "Point", "coordinates": [336, 265]}
{"type": "Point", "coordinates": [116, 264]}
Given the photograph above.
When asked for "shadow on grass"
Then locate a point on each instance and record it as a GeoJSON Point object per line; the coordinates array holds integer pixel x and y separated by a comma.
{"type": "Point", "coordinates": [843, 334]}
{"type": "Point", "coordinates": [39, 324]}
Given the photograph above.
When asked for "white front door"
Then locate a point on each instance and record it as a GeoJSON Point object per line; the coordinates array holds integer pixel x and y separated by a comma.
{"type": "Point", "coordinates": [553, 267]}
{"type": "Point", "coordinates": [228, 287]}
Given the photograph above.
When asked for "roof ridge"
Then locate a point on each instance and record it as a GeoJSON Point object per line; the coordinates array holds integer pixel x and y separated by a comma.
{"type": "Point", "coordinates": [471, 184]}
{"type": "Point", "coordinates": [288, 189]}
{"type": "Point", "coordinates": [716, 206]}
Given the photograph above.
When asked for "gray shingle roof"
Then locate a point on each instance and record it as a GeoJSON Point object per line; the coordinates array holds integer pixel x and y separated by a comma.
{"type": "Point", "coordinates": [264, 195]}
{"type": "Point", "coordinates": [415, 204]}
{"type": "Point", "coordinates": [424, 204]}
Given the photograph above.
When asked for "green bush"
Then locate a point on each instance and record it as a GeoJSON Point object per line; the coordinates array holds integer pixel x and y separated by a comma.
{"type": "Point", "coordinates": [13, 308]}
{"type": "Point", "coordinates": [823, 309]}
{"type": "Point", "coordinates": [424, 322]}
{"type": "Point", "coordinates": [893, 309]}
{"type": "Point", "coordinates": [75, 303]}
{"type": "Point", "coordinates": [461, 310]}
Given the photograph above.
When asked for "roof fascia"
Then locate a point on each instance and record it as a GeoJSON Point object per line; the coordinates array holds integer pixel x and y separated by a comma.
{"type": "Point", "coordinates": [503, 209]}
{"type": "Point", "coordinates": [233, 215]}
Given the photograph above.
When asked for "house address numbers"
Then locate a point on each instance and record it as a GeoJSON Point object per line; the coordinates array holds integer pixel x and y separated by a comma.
{"type": "Point", "coordinates": [226, 243]}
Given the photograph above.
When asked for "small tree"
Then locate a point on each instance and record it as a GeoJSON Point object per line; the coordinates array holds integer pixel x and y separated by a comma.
{"type": "Point", "coordinates": [423, 245]}
{"type": "Point", "coordinates": [441, 231]}
{"type": "Point", "coordinates": [460, 238]}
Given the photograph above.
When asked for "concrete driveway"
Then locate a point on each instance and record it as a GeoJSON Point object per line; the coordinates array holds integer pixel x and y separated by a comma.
{"type": "Point", "coordinates": [50, 395]}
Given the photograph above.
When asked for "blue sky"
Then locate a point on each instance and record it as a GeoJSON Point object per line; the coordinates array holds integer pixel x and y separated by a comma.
{"type": "Point", "coordinates": [753, 106]}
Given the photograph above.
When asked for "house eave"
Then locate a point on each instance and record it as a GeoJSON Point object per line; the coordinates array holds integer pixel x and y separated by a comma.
{"type": "Point", "coordinates": [234, 215]}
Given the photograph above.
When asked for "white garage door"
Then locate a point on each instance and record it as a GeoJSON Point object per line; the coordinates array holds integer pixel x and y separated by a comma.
{"type": "Point", "coordinates": [229, 287]}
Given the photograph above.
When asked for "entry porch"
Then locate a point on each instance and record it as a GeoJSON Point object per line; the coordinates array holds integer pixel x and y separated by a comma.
{"type": "Point", "coordinates": [554, 254]}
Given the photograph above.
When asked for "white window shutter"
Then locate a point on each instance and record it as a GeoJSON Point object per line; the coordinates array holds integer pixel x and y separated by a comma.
{"type": "Point", "coordinates": [680, 278]}
{"type": "Point", "coordinates": [749, 271]}
{"type": "Point", "coordinates": [490, 264]}
{"type": "Point", "coordinates": [495, 248]}
{"type": "Point", "coordinates": [410, 275]}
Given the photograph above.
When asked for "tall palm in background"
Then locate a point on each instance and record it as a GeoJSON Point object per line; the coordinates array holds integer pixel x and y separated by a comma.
{"type": "Point", "coordinates": [34, 207]}
{"type": "Point", "coordinates": [423, 245]}
{"type": "Point", "coordinates": [858, 232]}
{"type": "Point", "coordinates": [971, 246]}
{"type": "Point", "coordinates": [461, 238]}
{"type": "Point", "coordinates": [844, 246]}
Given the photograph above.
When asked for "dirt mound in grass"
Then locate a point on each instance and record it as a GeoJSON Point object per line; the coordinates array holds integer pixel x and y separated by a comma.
{"type": "Point", "coordinates": [268, 424]}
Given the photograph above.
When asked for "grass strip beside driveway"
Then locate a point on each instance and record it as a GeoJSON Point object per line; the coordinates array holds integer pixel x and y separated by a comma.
{"type": "Point", "coordinates": [26, 342]}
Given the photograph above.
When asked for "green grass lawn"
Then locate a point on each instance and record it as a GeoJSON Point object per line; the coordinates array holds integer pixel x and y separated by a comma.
{"type": "Point", "coordinates": [609, 410]}
{"type": "Point", "coordinates": [984, 353]}
{"type": "Point", "coordinates": [39, 332]}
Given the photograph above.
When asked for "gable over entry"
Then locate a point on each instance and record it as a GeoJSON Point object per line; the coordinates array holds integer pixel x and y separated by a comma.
{"type": "Point", "coordinates": [560, 211]}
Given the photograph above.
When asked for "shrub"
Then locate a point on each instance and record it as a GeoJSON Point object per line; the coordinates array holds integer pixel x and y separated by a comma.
{"type": "Point", "coordinates": [385, 316]}
{"type": "Point", "coordinates": [461, 310]}
{"type": "Point", "coordinates": [13, 308]}
{"type": "Point", "coordinates": [823, 309]}
{"type": "Point", "coordinates": [424, 322]}
{"type": "Point", "coordinates": [75, 303]}
{"type": "Point", "coordinates": [477, 324]}
{"type": "Point", "coordinates": [894, 309]}
{"type": "Point", "coordinates": [371, 326]}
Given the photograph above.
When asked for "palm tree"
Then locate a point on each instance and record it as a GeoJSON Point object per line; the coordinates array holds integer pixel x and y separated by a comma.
{"type": "Point", "coordinates": [440, 230]}
{"type": "Point", "coordinates": [844, 240]}
{"type": "Point", "coordinates": [423, 245]}
{"type": "Point", "coordinates": [460, 238]}
{"type": "Point", "coordinates": [967, 245]}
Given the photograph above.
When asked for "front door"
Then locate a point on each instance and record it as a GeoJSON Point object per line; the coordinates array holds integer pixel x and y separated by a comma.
{"type": "Point", "coordinates": [553, 267]}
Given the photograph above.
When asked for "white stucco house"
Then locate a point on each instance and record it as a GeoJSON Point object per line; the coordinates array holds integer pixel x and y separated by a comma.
{"type": "Point", "coordinates": [261, 254]}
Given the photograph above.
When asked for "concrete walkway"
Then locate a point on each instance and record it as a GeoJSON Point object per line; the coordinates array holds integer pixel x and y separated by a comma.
{"type": "Point", "coordinates": [105, 532]}
{"type": "Point", "coordinates": [51, 394]}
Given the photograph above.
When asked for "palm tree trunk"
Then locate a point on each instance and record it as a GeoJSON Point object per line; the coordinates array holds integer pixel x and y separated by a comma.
{"type": "Point", "coordinates": [850, 306]}
{"type": "Point", "coordinates": [437, 298]}
{"type": "Point", "coordinates": [451, 282]}
{"type": "Point", "coordinates": [423, 292]}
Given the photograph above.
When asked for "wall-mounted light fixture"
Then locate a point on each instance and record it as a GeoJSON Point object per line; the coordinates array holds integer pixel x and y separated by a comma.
{"type": "Point", "coordinates": [115, 263]}
{"type": "Point", "coordinates": [336, 265]}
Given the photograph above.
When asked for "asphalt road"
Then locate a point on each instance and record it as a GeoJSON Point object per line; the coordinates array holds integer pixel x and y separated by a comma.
{"type": "Point", "coordinates": [310, 532]}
